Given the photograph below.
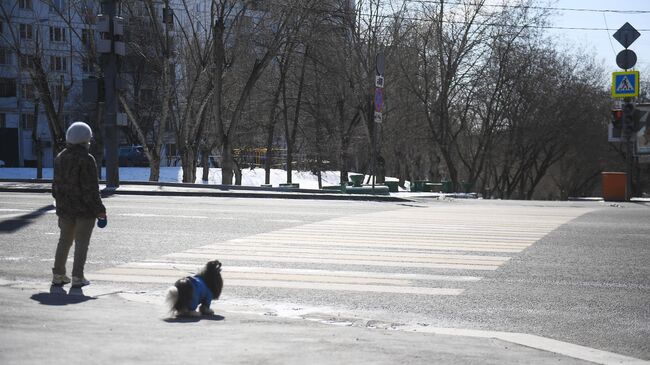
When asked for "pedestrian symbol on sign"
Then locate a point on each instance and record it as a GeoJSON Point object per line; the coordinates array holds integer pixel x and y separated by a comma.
{"type": "Point", "coordinates": [625, 84]}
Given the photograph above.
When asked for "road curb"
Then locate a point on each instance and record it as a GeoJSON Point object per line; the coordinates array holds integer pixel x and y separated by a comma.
{"type": "Point", "coordinates": [198, 190]}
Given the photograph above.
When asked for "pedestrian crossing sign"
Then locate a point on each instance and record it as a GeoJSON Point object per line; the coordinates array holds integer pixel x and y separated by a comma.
{"type": "Point", "coordinates": [625, 84]}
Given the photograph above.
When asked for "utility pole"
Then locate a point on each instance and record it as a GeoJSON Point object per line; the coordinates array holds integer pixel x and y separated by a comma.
{"type": "Point", "coordinates": [110, 27]}
{"type": "Point", "coordinates": [628, 130]}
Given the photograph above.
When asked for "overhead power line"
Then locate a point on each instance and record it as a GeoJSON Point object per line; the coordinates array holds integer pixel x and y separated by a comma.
{"type": "Point", "coordinates": [495, 24]}
{"type": "Point", "coordinates": [632, 11]}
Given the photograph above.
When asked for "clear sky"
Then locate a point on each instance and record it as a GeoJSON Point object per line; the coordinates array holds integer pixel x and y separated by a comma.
{"type": "Point", "coordinates": [600, 42]}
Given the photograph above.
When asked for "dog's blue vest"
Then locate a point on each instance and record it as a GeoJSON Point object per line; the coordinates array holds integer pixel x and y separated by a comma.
{"type": "Point", "coordinates": [202, 295]}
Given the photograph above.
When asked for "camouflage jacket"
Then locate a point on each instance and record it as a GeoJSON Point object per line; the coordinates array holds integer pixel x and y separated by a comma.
{"type": "Point", "coordinates": [75, 185]}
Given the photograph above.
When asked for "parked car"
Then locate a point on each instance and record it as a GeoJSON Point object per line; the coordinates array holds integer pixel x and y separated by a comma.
{"type": "Point", "coordinates": [133, 156]}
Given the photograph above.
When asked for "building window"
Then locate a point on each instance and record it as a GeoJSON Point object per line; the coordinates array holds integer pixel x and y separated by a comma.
{"type": "Point", "coordinates": [87, 36]}
{"type": "Point", "coordinates": [58, 63]}
{"type": "Point", "coordinates": [26, 61]}
{"type": "Point", "coordinates": [27, 122]}
{"type": "Point", "coordinates": [2, 26]}
{"type": "Point", "coordinates": [25, 4]}
{"type": "Point", "coordinates": [57, 6]}
{"type": "Point", "coordinates": [7, 88]}
{"type": "Point", "coordinates": [25, 31]}
{"type": "Point", "coordinates": [87, 65]}
{"type": "Point", "coordinates": [5, 56]}
{"type": "Point", "coordinates": [3, 120]}
{"type": "Point", "coordinates": [27, 91]}
{"type": "Point", "coordinates": [57, 34]}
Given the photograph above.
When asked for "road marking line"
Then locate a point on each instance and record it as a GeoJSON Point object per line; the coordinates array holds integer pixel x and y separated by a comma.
{"type": "Point", "coordinates": [349, 287]}
{"type": "Point", "coordinates": [405, 236]}
{"type": "Point", "coordinates": [304, 242]}
{"type": "Point", "coordinates": [291, 285]}
{"type": "Point", "coordinates": [399, 229]}
{"type": "Point", "coordinates": [144, 215]}
{"type": "Point", "coordinates": [12, 215]}
{"type": "Point", "coordinates": [354, 261]}
{"type": "Point", "coordinates": [297, 239]}
{"type": "Point", "coordinates": [408, 248]}
{"type": "Point", "coordinates": [243, 255]}
{"type": "Point", "coordinates": [182, 268]}
{"type": "Point", "coordinates": [216, 249]}
{"type": "Point", "coordinates": [375, 256]}
{"type": "Point", "coordinates": [231, 275]}
{"type": "Point", "coordinates": [540, 343]}
{"type": "Point", "coordinates": [370, 246]}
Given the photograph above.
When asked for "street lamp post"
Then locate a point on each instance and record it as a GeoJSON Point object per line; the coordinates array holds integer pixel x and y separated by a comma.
{"type": "Point", "coordinates": [376, 114]}
{"type": "Point", "coordinates": [111, 28]}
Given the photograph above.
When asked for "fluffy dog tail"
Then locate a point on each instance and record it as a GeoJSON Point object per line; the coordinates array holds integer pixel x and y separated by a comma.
{"type": "Point", "coordinates": [171, 299]}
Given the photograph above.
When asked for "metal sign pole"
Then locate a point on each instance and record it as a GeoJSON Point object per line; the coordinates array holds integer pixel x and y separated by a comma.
{"type": "Point", "coordinates": [626, 84]}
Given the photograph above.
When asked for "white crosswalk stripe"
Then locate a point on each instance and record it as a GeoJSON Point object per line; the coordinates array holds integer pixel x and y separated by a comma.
{"type": "Point", "coordinates": [424, 251]}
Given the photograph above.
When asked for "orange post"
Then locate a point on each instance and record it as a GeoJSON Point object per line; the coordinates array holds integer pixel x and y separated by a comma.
{"type": "Point", "coordinates": [614, 186]}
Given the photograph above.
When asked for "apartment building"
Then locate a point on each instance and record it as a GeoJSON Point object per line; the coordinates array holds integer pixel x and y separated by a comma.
{"type": "Point", "coordinates": [31, 29]}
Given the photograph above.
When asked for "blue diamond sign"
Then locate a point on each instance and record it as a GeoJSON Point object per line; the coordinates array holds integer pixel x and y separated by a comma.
{"type": "Point", "coordinates": [626, 35]}
{"type": "Point", "coordinates": [625, 84]}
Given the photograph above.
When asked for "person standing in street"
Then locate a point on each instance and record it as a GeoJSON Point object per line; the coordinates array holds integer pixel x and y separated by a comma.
{"type": "Point", "coordinates": [75, 188]}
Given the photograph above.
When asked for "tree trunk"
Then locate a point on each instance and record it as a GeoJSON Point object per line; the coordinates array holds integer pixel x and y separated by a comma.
{"type": "Point", "coordinates": [205, 161]}
{"type": "Point", "coordinates": [154, 171]}
{"type": "Point", "coordinates": [343, 161]}
{"type": "Point", "coordinates": [289, 161]}
{"type": "Point", "coordinates": [270, 132]}
{"type": "Point", "coordinates": [268, 156]}
{"type": "Point", "coordinates": [237, 172]}
{"type": "Point", "coordinates": [227, 162]}
{"type": "Point", "coordinates": [451, 169]}
{"type": "Point", "coordinates": [188, 158]}
{"type": "Point", "coordinates": [319, 173]}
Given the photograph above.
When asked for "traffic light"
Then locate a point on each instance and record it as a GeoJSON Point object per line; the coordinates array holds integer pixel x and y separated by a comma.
{"type": "Point", "coordinates": [629, 117]}
{"type": "Point", "coordinates": [615, 128]}
{"type": "Point", "coordinates": [617, 118]}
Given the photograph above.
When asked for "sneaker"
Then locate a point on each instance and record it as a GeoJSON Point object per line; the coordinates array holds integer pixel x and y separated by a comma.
{"type": "Point", "coordinates": [206, 311]}
{"type": "Point", "coordinates": [60, 279]}
{"type": "Point", "coordinates": [79, 282]}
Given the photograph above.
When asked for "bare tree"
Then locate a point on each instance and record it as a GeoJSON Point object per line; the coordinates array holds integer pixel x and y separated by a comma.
{"type": "Point", "coordinates": [152, 85]}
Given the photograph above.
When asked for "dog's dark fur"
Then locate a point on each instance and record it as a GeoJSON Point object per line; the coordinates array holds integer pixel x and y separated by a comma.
{"type": "Point", "coordinates": [179, 297]}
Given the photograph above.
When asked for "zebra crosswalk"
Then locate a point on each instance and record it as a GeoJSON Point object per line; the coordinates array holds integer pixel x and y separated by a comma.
{"type": "Point", "coordinates": [432, 250]}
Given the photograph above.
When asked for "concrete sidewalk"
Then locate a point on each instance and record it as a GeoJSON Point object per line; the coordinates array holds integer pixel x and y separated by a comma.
{"type": "Point", "coordinates": [103, 326]}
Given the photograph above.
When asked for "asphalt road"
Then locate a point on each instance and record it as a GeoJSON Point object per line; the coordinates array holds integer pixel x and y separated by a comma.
{"type": "Point", "coordinates": [582, 274]}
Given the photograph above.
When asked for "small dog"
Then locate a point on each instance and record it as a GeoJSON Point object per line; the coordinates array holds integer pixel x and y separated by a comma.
{"type": "Point", "coordinates": [189, 292]}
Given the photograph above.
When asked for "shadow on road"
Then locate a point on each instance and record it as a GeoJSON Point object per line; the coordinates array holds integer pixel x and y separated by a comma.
{"type": "Point", "coordinates": [58, 296]}
{"type": "Point", "coordinates": [16, 223]}
{"type": "Point", "coordinates": [188, 319]}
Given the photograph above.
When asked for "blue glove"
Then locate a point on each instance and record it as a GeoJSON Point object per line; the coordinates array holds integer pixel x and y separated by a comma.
{"type": "Point", "coordinates": [101, 222]}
